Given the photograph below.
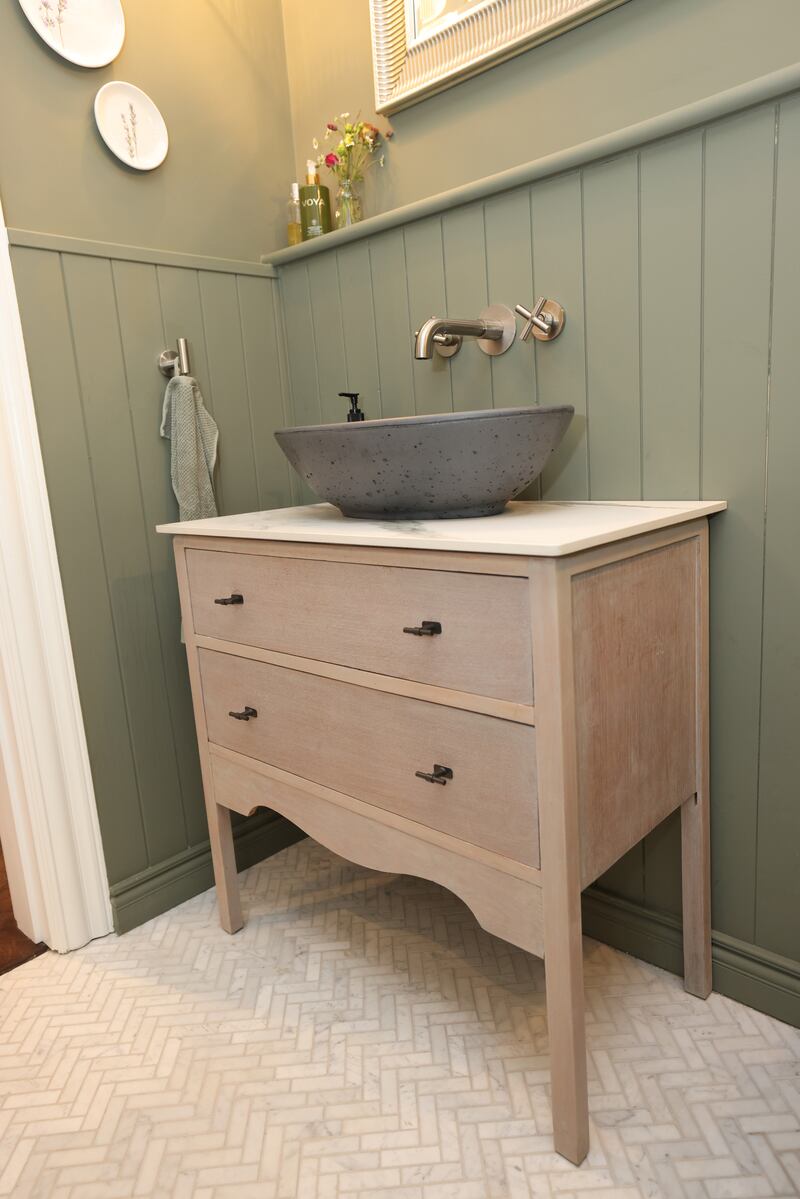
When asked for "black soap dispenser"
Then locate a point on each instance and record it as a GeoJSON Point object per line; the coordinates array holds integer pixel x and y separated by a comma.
{"type": "Point", "coordinates": [355, 412]}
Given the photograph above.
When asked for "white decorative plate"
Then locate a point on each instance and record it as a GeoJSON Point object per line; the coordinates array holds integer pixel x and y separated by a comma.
{"type": "Point", "coordinates": [87, 32]}
{"type": "Point", "coordinates": [131, 125]}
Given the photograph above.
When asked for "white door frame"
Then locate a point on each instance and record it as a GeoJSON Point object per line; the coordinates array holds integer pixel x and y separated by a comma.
{"type": "Point", "coordinates": [48, 817]}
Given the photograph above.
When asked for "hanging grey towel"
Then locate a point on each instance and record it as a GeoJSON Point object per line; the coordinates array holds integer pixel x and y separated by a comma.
{"type": "Point", "coordinates": [191, 429]}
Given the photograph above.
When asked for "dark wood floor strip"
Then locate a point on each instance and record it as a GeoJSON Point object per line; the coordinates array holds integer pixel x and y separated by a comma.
{"type": "Point", "coordinates": [15, 947]}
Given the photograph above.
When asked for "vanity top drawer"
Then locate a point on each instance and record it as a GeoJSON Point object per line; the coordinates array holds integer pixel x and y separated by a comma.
{"type": "Point", "coordinates": [360, 616]}
{"type": "Point", "coordinates": [370, 744]}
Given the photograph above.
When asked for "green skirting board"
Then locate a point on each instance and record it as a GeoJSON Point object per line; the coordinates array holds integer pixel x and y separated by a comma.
{"type": "Point", "coordinates": [185, 875]}
{"type": "Point", "coordinates": [754, 976]}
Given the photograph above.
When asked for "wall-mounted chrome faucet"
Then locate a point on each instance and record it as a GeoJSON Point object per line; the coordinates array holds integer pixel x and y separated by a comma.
{"type": "Point", "coordinates": [495, 330]}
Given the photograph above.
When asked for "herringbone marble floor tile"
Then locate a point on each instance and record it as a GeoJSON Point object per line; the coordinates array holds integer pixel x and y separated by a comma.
{"type": "Point", "coordinates": [362, 1038]}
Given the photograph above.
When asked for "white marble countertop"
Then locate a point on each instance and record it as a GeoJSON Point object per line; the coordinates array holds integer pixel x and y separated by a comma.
{"type": "Point", "coordinates": [542, 529]}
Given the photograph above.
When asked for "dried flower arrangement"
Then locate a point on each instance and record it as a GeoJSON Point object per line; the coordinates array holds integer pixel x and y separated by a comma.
{"type": "Point", "coordinates": [358, 141]}
{"type": "Point", "coordinates": [349, 161]}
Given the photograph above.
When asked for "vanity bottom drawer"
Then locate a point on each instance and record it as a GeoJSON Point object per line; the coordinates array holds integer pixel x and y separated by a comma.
{"type": "Point", "coordinates": [370, 744]}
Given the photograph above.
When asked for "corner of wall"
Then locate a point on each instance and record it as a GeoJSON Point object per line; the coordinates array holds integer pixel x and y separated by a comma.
{"type": "Point", "coordinates": [167, 884]}
{"type": "Point", "coordinates": [751, 975]}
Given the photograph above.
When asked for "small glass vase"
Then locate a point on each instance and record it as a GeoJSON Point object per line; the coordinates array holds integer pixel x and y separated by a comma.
{"type": "Point", "coordinates": [349, 210]}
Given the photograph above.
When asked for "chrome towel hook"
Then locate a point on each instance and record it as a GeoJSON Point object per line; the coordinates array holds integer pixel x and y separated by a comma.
{"type": "Point", "coordinates": [175, 362]}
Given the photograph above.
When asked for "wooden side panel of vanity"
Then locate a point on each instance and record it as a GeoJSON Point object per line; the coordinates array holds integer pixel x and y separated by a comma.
{"type": "Point", "coordinates": [619, 642]}
{"type": "Point", "coordinates": [638, 652]}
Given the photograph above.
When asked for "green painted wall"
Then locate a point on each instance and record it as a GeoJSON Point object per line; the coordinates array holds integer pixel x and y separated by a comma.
{"type": "Point", "coordinates": [217, 71]}
{"type": "Point", "coordinates": [93, 328]}
{"type": "Point", "coordinates": [94, 322]}
{"type": "Point", "coordinates": [657, 254]}
{"type": "Point", "coordinates": [642, 59]}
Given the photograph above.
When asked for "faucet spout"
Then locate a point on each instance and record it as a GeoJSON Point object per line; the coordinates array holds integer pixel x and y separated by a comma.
{"type": "Point", "coordinates": [436, 328]}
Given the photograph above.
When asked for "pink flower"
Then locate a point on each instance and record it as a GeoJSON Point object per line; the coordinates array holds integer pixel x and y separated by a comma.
{"type": "Point", "coordinates": [331, 160]}
{"type": "Point", "coordinates": [331, 126]}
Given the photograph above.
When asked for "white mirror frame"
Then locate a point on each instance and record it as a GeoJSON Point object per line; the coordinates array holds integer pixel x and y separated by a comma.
{"type": "Point", "coordinates": [406, 69]}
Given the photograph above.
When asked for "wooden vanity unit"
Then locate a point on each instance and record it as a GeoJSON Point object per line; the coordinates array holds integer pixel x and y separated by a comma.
{"type": "Point", "coordinates": [502, 705]}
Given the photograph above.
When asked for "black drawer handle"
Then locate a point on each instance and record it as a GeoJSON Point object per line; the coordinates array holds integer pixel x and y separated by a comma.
{"type": "Point", "coordinates": [428, 628]}
{"type": "Point", "coordinates": [235, 598]}
{"type": "Point", "coordinates": [439, 774]}
{"type": "Point", "coordinates": [244, 715]}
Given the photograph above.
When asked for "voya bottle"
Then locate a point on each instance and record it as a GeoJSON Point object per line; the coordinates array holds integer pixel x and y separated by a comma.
{"type": "Point", "coordinates": [315, 204]}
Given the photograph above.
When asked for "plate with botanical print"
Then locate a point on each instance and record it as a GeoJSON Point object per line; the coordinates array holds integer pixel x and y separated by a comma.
{"type": "Point", "coordinates": [131, 125]}
{"type": "Point", "coordinates": [89, 33]}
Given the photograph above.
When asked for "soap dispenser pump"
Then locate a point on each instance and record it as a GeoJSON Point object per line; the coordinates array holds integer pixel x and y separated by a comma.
{"type": "Point", "coordinates": [355, 412]}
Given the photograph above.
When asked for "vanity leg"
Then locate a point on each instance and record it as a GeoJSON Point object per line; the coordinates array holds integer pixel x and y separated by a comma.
{"type": "Point", "coordinates": [220, 833]}
{"type": "Point", "coordinates": [225, 874]}
{"type": "Point", "coordinates": [695, 832]}
{"type": "Point", "coordinates": [557, 768]}
{"type": "Point", "coordinates": [563, 969]}
{"type": "Point", "coordinates": [696, 887]}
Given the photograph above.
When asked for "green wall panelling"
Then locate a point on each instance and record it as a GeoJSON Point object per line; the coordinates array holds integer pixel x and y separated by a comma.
{"type": "Point", "coordinates": [778, 843]}
{"type": "Point", "coordinates": [261, 337]}
{"type": "Point", "coordinates": [358, 329]}
{"type": "Point", "coordinates": [610, 230]}
{"type": "Point", "coordinates": [670, 295]}
{"type": "Point", "coordinates": [739, 170]}
{"type": "Point", "coordinates": [661, 874]}
{"type": "Point", "coordinates": [558, 271]}
{"type": "Point", "coordinates": [671, 249]}
{"type": "Point", "coordinates": [427, 297]}
{"type": "Point", "coordinates": [123, 538]}
{"type": "Point", "coordinates": [611, 321]}
{"type": "Point", "coordinates": [93, 329]}
{"type": "Point", "coordinates": [182, 316]}
{"type": "Point", "coordinates": [393, 325]}
{"type": "Point", "coordinates": [327, 323]}
{"type": "Point", "coordinates": [656, 253]}
{"type": "Point", "coordinates": [465, 284]}
{"type": "Point", "coordinates": [227, 376]}
{"type": "Point", "coordinates": [62, 433]}
{"type": "Point", "coordinates": [300, 345]}
{"type": "Point", "coordinates": [304, 394]}
{"type": "Point", "coordinates": [140, 326]}
{"type": "Point", "coordinates": [509, 277]}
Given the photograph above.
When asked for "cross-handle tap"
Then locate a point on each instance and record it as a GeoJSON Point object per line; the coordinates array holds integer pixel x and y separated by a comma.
{"type": "Point", "coordinates": [546, 320]}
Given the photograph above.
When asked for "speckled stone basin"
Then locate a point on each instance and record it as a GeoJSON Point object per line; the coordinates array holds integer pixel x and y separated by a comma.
{"type": "Point", "coordinates": [416, 467]}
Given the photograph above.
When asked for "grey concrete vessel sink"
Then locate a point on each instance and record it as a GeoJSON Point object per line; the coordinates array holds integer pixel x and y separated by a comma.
{"type": "Point", "coordinates": [416, 467]}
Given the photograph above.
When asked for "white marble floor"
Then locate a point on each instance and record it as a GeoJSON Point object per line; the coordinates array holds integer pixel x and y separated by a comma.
{"type": "Point", "coordinates": [363, 1037]}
